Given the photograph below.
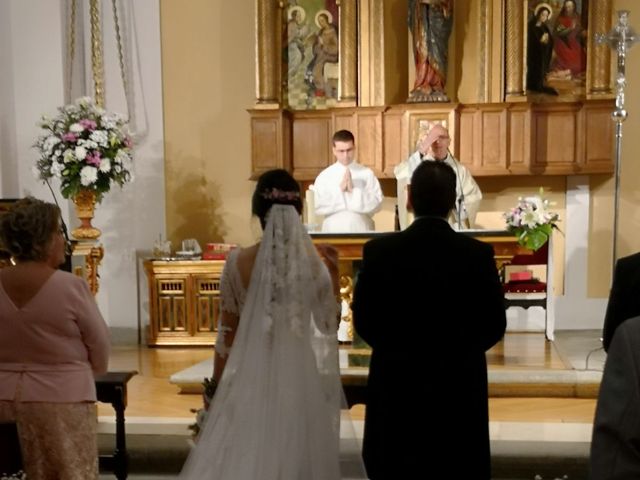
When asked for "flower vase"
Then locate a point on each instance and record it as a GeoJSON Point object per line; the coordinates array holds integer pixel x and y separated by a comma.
{"type": "Point", "coordinates": [85, 201]}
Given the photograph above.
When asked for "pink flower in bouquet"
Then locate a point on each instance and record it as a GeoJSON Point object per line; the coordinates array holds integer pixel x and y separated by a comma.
{"type": "Point", "coordinates": [88, 124]}
{"type": "Point", "coordinates": [93, 158]}
{"type": "Point", "coordinates": [69, 137]}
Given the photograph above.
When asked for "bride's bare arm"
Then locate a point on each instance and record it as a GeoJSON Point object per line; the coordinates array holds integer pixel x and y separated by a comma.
{"type": "Point", "coordinates": [329, 255]}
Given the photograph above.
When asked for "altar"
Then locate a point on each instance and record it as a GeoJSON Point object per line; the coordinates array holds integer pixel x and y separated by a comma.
{"type": "Point", "coordinates": [184, 294]}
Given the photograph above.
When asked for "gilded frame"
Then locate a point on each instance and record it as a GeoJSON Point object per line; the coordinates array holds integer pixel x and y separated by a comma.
{"type": "Point", "coordinates": [423, 120]}
{"type": "Point", "coordinates": [598, 80]}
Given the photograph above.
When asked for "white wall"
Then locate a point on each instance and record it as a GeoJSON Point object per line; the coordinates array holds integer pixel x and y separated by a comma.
{"type": "Point", "coordinates": [574, 309]}
{"type": "Point", "coordinates": [132, 218]}
{"type": "Point", "coordinates": [32, 84]}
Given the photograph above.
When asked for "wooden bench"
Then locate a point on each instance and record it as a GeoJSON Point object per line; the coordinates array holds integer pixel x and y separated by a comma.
{"type": "Point", "coordinates": [112, 388]}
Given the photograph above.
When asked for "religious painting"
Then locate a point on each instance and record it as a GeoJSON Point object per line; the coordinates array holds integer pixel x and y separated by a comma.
{"type": "Point", "coordinates": [310, 54]}
{"type": "Point", "coordinates": [556, 52]}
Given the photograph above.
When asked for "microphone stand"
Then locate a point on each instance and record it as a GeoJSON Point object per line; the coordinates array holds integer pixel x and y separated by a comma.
{"type": "Point", "coordinates": [460, 208]}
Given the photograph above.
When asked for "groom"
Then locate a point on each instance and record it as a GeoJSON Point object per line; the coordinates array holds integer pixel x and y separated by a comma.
{"type": "Point", "coordinates": [429, 302]}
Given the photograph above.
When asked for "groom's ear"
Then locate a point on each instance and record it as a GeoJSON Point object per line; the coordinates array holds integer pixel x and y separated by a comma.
{"type": "Point", "coordinates": [409, 204]}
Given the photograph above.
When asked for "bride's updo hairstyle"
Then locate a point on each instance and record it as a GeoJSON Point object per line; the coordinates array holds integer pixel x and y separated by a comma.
{"type": "Point", "coordinates": [275, 187]}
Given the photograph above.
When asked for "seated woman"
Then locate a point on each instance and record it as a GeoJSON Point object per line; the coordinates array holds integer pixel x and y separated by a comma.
{"type": "Point", "coordinates": [53, 342]}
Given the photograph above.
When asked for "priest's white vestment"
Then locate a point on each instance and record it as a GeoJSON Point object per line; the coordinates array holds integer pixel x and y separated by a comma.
{"type": "Point", "coordinates": [468, 194]}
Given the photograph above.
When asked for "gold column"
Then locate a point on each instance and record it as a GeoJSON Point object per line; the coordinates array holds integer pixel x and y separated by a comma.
{"type": "Point", "coordinates": [348, 89]}
{"type": "Point", "coordinates": [372, 59]}
{"type": "Point", "coordinates": [514, 50]}
{"type": "Point", "coordinates": [485, 63]}
{"type": "Point", "coordinates": [599, 61]}
{"type": "Point", "coordinates": [268, 47]}
{"type": "Point", "coordinates": [97, 66]}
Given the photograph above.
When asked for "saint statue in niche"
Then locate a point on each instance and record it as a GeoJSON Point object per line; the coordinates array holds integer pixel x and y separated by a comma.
{"type": "Point", "coordinates": [430, 24]}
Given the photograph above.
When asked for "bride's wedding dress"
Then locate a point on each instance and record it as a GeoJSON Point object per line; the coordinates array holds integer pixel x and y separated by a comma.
{"type": "Point", "coordinates": [276, 412]}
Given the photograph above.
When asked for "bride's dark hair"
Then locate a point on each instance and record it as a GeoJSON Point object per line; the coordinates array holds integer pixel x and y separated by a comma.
{"type": "Point", "coordinates": [275, 187]}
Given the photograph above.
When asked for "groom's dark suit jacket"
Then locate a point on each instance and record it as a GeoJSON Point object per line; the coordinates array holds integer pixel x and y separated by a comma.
{"type": "Point", "coordinates": [429, 302]}
{"type": "Point", "coordinates": [624, 299]}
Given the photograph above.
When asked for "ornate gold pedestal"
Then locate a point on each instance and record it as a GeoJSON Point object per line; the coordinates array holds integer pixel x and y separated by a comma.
{"type": "Point", "coordinates": [85, 202]}
{"type": "Point", "coordinates": [85, 260]}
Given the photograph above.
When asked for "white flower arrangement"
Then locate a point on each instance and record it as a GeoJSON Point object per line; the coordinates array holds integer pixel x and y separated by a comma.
{"type": "Point", "coordinates": [532, 221]}
{"type": "Point", "coordinates": [86, 148]}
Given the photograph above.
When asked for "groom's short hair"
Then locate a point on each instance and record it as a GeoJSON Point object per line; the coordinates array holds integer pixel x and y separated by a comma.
{"type": "Point", "coordinates": [433, 189]}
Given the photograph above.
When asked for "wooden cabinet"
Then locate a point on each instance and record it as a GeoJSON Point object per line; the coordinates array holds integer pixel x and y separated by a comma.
{"type": "Point", "coordinates": [491, 139]}
{"type": "Point", "coordinates": [184, 301]}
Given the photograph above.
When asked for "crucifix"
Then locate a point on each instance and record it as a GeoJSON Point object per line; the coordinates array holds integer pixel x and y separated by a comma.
{"type": "Point", "coordinates": [621, 38]}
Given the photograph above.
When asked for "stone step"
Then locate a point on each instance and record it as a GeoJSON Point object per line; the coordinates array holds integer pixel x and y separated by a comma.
{"type": "Point", "coordinates": [162, 456]}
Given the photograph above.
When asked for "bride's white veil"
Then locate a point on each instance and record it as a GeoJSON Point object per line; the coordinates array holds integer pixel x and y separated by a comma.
{"type": "Point", "coordinates": [276, 412]}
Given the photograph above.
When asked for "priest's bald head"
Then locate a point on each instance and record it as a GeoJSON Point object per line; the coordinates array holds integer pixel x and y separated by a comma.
{"type": "Point", "coordinates": [432, 192]}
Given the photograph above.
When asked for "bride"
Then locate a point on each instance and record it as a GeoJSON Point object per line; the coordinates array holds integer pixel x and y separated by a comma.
{"type": "Point", "coordinates": [276, 412]}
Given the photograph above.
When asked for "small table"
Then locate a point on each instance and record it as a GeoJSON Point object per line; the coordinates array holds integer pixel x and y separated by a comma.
{"type": "Point", "coordinates": [112, 388]}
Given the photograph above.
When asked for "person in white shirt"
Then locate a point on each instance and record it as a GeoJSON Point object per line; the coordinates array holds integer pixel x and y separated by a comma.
{"type": "Point", "coordinates": [434, 145]}
{"type": "Point", "coordinates": [346, 193]}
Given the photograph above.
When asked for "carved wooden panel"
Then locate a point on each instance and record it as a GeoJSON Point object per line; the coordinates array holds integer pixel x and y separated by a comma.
{"type": "Point", "coordinates": [270, 140]}
{"type": "Point", "coordinates": [343, 120]}
{"type": "Point", "coordinates": [393, 141]}
{"type": "Point", "coordinates": [171, 305]}
{"type": "Point", "coordinates": [597, 137]}
{"type": "Point", "coordinates": [467, 143]}
{"type": "Point", "coordinates": [519, 138]}
{"type": "Point", "coordinates": [207, 295]}
{"type": "Point", "coordinates": [492, 122]}
{"type": "Point", "coordinates": [368, 133]}
{"type": "Point", "coordinates": [184, 301]}
{"type": "Point", "coordinates": [555, 148]}
{"type": "Point", "coordinates": [491, 139]}
{"type": "Point", "coordinates": [483, 139]}
{"type": "Point", "coordinates": [311, 144]}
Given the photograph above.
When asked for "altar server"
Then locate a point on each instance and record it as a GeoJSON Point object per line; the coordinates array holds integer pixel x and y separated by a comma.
{"type": "Point", "coordinates": [346, 193]}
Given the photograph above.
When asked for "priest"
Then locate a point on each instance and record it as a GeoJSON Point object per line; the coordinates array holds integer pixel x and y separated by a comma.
{"type": "Point", "coordinates": [433, 145]}
{"type": "Point", "coordinates": [346, 193]}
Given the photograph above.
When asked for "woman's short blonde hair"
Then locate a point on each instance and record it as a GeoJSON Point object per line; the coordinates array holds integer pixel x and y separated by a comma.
{"type": "Point", "coordinates": [27, 227]}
